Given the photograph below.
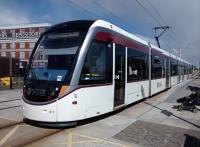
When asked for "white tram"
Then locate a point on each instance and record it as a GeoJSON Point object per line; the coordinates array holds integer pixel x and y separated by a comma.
{"type": "Point", "coordinates": [82, 69]}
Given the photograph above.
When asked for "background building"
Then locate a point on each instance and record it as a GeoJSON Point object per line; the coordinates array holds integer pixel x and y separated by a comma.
{"type": "Point", "coordinates": [17, 41]}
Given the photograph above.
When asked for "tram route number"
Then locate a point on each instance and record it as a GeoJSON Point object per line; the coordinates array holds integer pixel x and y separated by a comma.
{"type": "Point", "coordinates": [36, 92]}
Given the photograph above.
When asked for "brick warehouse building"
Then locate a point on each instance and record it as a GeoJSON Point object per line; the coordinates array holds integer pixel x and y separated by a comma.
{"type": "Point", "coordinates": [17, 41]}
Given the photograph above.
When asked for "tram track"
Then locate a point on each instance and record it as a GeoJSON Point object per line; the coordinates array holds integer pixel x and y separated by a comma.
{"type": "Point", "coordinates": [43, 136]}
{"type": "Point", "coordinates": [15, 106]}
{"type": "Point", "coordinates": [6, 101]}
{"type": "Point", "coordinates": [21, 134]}
{"type": "Point", "coordinates": [7, 104]}
{"type": "Point", "coordinates": [15, 132]}
{"type": "Point", "coordinates": [10, 124]}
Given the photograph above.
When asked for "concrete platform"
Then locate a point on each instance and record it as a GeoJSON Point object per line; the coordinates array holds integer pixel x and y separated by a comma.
{"type": "Point", "coordinates": [152, 122]}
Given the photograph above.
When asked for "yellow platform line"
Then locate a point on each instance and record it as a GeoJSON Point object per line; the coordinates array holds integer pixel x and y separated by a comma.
{"type": "Point", "coordinates": [24, 125]}
{"type": "Point", "coordinates": [69, 139]}
{"type": "Point", "coordinates": [86, 141]}
{"type": "Point", "coordinates": [5, 138]}
{"type": "Point", "coordinates": [99, 140]}
{"type": "Point", "coordinates": [70, 143]}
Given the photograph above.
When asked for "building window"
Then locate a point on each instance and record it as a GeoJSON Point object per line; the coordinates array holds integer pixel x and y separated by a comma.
{"type": "Point", "coordinates": [3, 54]}
{"type": "Point", "coordinates": [3, 34]}
{"type": "Point", "coordinates": [138, 66]}
{"type": "Point", "coordinates": [17, 45]}
{"type": "Point", "coordinates": [3, 45]}
{"type": "Point", "coordinates": [12, 45]}
{"type": "Point", "coordinates": [41, 29]}
{"type": "Point", "coordinates": [27, 45]}
{"type": "Point", "coordinates": [32, 44]}
{"type": "Point", "coordinates": [22, 30]}
{"type": "Point", "coordinates": [97, 68]}
{"type": "Point", "coordinates": [3, 31]}
{"type": "Point", "coordinates": [17, 30]}
{"type": "Point", "coordinates": [13, 54]}
{"type": "Point", "coordinates": [22, 45]}
{"type": "Point", "coordinates": [12, 31]}
{"type": "Point", "coordinates": [7, 45]}
{"type": "Point", "coordinates": [31, 29]}
{"type": "Point", "coordinates": [22, 55]}
{"type": "Point", "coordinates": [36, 29]}
{"type": "Point", "coordinates": [26, 29]}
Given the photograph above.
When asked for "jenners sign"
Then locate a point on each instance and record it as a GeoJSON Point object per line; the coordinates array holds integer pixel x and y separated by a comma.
{"type": "Point", "coordinates": [20, 35]}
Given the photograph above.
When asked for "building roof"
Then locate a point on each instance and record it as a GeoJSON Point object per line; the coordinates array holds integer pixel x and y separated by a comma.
{"type": "Point", "coordinates": [30, 25]}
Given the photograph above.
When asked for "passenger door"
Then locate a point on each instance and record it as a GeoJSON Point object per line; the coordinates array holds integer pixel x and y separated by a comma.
{"type": "Point", "coordinates": [119, 90]}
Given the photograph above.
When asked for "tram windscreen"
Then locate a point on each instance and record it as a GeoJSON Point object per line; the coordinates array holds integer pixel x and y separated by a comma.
{"type": "Point", "coordinates": [55, 55]}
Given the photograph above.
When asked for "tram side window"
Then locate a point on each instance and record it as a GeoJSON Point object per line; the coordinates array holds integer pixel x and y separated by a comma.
{"type": "Point", "coordinates": [185, 69]}
{"type": "Point", "coordinates": [97, 68]}
{"type": "Point", "coordinates": [174, 67]}
{"type": "Point", "coordinates": [182, 69]}
{"type": "Point", "coordinates": [190, 69]}
{"type": "Point", "coordinates": [158, 67]}
{"type": "Point", "coordinates": [138, 66]}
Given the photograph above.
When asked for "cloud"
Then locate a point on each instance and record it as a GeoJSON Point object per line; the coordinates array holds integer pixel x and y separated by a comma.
{"type": "Point", "coordinates": [182, 16]}
{"type": "Point", "coordinates": [8, 16]}
{"type": "Point", "coordinates": [46, 17]}
{"type": "Point", "coordinates": [184, 19]}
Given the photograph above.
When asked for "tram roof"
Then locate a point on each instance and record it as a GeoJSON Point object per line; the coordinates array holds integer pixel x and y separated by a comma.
{"type": "Point", "coordinates": [86, 24]}
{"type": "Point", "coordinates": [111, 26]}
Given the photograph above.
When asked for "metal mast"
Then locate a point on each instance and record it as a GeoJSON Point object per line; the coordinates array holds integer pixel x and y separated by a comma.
{"type": "Point", "coordinates": [159, 34]}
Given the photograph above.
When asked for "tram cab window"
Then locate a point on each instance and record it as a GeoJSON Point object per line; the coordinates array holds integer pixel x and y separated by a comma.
{"type": "Point", "coordinates": [97, 68]}
{"type": "Point", "coordinates": [55, 56]}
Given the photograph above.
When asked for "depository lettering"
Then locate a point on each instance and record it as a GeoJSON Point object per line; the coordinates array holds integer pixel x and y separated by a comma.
{"type": "Point", "coordinates": [20, 35]}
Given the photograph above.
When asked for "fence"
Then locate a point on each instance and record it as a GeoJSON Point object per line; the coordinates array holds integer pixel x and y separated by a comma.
{"type": "Point", "coordinates": [12, 72]}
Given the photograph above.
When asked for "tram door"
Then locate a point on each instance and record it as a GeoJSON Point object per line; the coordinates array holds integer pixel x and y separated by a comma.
{"type": "Point", "coordinates": [167, 73]}
{"type": "Point", "coordinates": [119, 93]}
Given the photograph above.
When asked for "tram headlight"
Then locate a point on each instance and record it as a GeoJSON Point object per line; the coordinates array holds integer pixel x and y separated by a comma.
{"type": "Point", "coordinates": [26, 91]}
{"type": "Point", "coordinates": [53, 94]}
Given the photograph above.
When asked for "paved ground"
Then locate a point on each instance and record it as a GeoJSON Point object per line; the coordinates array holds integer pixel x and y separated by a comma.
{"type": "Point", "coordinates": [10, 94]}
{"type": "Point", "coordinates": [163, 125]}
{"type": "Point", "coordinates": [8, 99]}
{"type": "Point", "coordinates": [153, 134]}
{"type": "Point", "coordinates": [153, 122]}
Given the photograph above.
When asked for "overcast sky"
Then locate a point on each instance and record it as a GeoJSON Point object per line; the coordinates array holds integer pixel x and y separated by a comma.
{"type": "Point", "coordinates": [136, 16]}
